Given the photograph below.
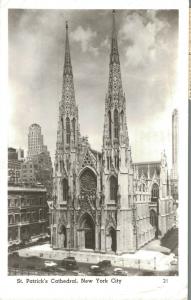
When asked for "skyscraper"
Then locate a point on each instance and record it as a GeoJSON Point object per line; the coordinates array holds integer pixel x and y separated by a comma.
{"type": "Point", "coordinates": [175, 142]}
{"type": "Point", "coordinates": [174, 172]}
{"type": "Point", "coordinates": [35, 140]}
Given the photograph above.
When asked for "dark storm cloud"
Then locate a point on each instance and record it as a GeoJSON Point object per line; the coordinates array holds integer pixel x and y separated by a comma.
{"type": "Point", "coordinates": [148, 55]}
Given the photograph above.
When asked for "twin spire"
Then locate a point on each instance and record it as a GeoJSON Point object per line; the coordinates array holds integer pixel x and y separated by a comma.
{"type": "Point", "coordinates": [114, 55]}
{"type": "Point", "coordinates": [115, 84]}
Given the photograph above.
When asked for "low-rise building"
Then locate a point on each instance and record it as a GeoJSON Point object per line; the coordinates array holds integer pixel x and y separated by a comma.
{"type": "Point", "coordinates": [27, 213]}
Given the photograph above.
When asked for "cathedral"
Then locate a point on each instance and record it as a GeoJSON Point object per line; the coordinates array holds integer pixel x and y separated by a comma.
{"type": "Point", "coordinates": [104, 202]}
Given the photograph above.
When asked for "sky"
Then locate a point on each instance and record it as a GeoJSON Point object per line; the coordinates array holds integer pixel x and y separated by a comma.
{"type": "Point", "coordinates": [148, 48]}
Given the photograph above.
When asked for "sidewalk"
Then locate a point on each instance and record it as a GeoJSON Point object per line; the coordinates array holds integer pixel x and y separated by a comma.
{"type": "Point", "coordinates": [142, 259]}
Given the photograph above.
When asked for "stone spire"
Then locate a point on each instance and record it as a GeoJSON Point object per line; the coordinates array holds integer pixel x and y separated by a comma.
{"type": "Point", "coordinates": [114, 57]}
{"type": "Point", "coordinates": [68, 127]}
{"type": "Point", "coordinates": [115, 83]}
{"type": "Point", "coordinates": [68, 95]}
{"type": "Point", "coordinates": [115, 125]}
{"type": "Point", "coordinates": [67, 62]}
{"type": "Point", "coordinates": [115, 136]}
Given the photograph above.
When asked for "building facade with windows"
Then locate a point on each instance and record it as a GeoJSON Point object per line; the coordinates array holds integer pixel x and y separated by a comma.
{"type": "Point", "coordinates": [15, 159]}
{"type": "Point", "coordinates": [35, 140]}
{"type": "Point", "coordinates": [27, 213]}
{"type": "Point", "coordinates": [102, 201]}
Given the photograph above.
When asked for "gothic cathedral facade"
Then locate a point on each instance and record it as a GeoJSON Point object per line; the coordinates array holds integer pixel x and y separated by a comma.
{"type": "Point", "coordinates": [102, 200]}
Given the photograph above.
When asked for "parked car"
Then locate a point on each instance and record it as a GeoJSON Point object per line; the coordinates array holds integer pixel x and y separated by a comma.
{"type": "Point", "coordinates": [49, 263]}
{"type": "Point", "coordinates": [95, 269]}
{"type": "Point", "coordinates": [69, 263]}
{"type": "Point", "coordinates": [120, 272]}
{"type": "Point", "coordinates": [104, 264]}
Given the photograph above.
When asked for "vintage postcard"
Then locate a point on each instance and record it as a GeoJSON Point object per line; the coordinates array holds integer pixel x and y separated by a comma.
{"type": "Point", "coordinates": [94, 163]}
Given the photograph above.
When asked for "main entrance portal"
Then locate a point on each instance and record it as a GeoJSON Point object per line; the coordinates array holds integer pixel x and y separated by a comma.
{"type": "Point", "coordinates": [87, 234]}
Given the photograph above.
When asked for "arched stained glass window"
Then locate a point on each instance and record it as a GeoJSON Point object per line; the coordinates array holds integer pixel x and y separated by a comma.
{"type": "Point", "coordinates": [67, 130]}
{"type": "Point", "coordinates": [109, 120]}
{"type": "Point", "coordinates": [116, 124]}
{"type": "Point", "coordinates": [88, 182]}
{"type": "Point", "coordinates": [113, 188]}
{"type": "Point", "coordinates": [155, 192]}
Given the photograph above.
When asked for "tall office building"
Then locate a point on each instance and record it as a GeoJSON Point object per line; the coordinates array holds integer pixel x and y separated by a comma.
{"type": "Point", "coordinates": [174, 172]}
{"type": "Point", "coordinates": [35, 140]}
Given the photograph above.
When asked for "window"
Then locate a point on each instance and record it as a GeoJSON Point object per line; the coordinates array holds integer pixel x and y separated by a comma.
{"type": "Point", "coordinates": [122, 118]}
{"type": "Point", "coordinates": [116, 124]}
{"type": "Point", "coordinates": [109, 121]}
{"type": "Point", "coordinates": [108, 162]}
{"type": "Point", "coordinates": [116, 161]}
{"type": "Point", "coordinates": [41, 201]}
{"type": "Point", "coordinates": [113, 188]}
{"type": "Point", "coordinates": [11, 219]}
{"type": "Point", "coordinates": [74, 128]}
{"type": "Point", "coordinates": [65, 189]}
{"type": "Point", "coordinates": [28, 217]}
{"type": "Point", "coordinates": [23, 218]}
{"type": "Point", "coordinates": [155, 192]}
{"type": "Point", "coordinates": [17, 218]}
{"type": "Point", "coordinates": [67, 130]}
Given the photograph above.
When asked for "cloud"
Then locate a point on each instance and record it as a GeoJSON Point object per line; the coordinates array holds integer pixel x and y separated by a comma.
{"type": "Point", "coordinates": [85, 37]}
{"type": "Point", "coordinates": [141, 32]}
{"type": "Point", "coordinates": [105, 43]}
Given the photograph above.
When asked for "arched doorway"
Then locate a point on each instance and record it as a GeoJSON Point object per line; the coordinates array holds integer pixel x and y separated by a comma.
{"type": "Point", "coordinates": [154, 221]}
{"type": "Point", "coordinates": [87, 236]}
{"type": "Point", "coordinates": [62, 236]}
{"type": "Point", "coordinates": [153, 218]}
{"type": "Point", "coordinates": [113, 239]}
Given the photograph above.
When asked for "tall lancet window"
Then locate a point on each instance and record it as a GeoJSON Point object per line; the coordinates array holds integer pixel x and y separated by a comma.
{"type": "Point", "coordinates": [116, 124]}
{"type": "Point", "coordinates": [113, 188]}
{"type": "Point", "coordinates": [74, 129]}
{"type": "Point", "coordinates": [65, 189]}
{"type": "Point", "coordinates": [122, 119]}
{"type": "Point", "coordinates": [62, 129]}
{"type": "Point", "coordinates": [109, 120]}
{"type": "Point", "coordinates": [67, 130]}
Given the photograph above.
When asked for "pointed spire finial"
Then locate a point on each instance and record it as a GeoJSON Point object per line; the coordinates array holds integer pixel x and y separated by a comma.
{"type": "Point", "coordinates": [67, 63]}
{"type": "Point", "coordinates": [114, 57]}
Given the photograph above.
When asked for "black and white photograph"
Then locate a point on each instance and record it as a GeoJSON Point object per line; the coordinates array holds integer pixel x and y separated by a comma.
{"type": "Point", "coordinates": [94, 184]}
{"type": "Point", "coordinates": [92, 181]}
